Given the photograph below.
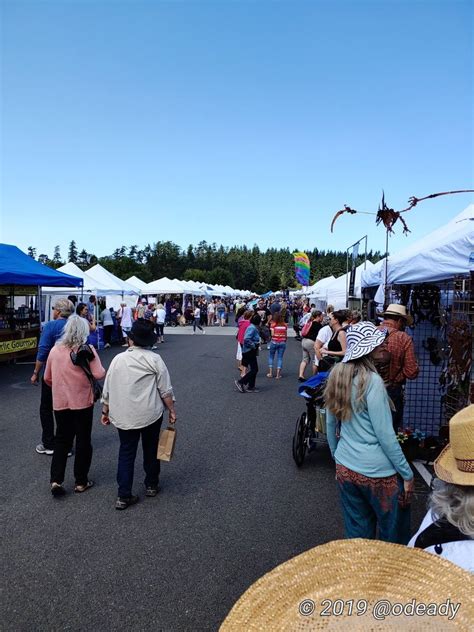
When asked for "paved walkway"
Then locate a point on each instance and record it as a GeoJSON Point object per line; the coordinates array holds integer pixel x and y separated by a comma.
{"type": "Point", "coordinates": [233, 504]}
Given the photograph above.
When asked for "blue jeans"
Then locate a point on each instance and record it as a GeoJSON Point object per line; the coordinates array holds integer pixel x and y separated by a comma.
{"type": "Point", "coordinates": [371, 503]}
{"type": "Point", "coordinates": [279, 349]}
{"type": "Point", "coordinates": [128, 451]}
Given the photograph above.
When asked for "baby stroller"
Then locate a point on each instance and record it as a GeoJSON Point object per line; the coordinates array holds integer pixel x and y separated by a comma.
{"type": "Point", "coordinates": [311, 424]}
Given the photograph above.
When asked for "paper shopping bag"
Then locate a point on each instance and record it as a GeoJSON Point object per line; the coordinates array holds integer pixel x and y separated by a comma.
{"type": "Point", "coordinates": [166, 444]}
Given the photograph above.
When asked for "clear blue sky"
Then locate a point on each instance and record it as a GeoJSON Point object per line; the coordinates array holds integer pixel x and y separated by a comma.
{"type": "Point", "coordinates": [235, 122]}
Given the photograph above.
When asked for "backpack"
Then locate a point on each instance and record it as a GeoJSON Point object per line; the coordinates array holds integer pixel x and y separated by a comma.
{"type": "Point", "coordinates": [382, 360]}
{"type": "Point", "coordinates": [439, 533]}
{"type": "Point", "coordinates": [306, 327]}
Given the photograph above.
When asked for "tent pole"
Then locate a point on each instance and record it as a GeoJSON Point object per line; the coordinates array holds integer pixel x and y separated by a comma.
{"type": "Point", "coordinates": [386, 271]}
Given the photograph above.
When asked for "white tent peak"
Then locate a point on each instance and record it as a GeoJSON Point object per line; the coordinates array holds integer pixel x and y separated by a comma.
{"type": "Point", "coordinates": [106, 278]}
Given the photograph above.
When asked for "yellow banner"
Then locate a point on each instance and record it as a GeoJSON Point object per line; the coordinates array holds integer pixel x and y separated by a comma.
{"type": "Point", "coordinates": [22, 344]}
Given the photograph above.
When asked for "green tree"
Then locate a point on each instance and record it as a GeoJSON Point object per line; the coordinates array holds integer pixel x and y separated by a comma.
{"type": "Point", "coordinates": [72, 252]}
{"type": "Point", "coordinates": [195, 274]}
{"type": "Point", "coordinates": [32, 252]}
{"type": "Point", "coordinates": [57, 261]}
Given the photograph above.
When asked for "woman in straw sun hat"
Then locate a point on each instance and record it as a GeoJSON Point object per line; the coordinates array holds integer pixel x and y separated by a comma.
{"type": "Point", "coordinates": [357, 585]}
{"type": "Point", "coordinates": [374, 478]}
{"type": "Point", "coordinates": [448, 527]}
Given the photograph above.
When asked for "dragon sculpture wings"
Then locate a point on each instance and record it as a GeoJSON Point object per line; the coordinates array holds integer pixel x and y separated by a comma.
{"type": "Point", "coordinates": [388, 216]}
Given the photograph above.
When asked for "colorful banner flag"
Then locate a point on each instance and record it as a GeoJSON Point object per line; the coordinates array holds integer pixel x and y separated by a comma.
{"type": "Point", "coordinates": [302, 268]}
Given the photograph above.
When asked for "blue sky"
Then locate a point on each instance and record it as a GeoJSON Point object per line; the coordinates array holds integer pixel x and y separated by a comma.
{"type": "Point", "coordinates": [235, 122]}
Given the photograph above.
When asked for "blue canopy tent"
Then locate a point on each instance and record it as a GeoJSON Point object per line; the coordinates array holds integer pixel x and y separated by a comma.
{"type": "Point", "coordinates": [19, 328]}
{"type": "Point", "coordinates": [17, 268]}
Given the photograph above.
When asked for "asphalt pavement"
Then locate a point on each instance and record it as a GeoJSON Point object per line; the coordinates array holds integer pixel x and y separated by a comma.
{"type": "Point", "coordinates": [233, 504]}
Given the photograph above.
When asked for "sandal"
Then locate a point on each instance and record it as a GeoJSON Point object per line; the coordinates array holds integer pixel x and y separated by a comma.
{"type": "Point", "coordinates": [79, 489]}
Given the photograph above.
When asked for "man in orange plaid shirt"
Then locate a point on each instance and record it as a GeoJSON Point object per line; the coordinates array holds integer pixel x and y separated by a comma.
{"type": "Point", "coordinates": [403, 362]}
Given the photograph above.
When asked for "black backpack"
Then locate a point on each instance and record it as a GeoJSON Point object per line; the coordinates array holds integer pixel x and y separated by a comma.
{"type": "Point", "coordinates": [439, 533]}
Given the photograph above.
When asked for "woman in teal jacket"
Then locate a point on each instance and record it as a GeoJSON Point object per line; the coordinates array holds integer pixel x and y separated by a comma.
{"type": "Point", "coordinates": [374, 478]}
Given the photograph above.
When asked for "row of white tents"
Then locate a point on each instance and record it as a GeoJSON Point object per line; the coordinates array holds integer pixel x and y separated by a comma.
{"type": "Point", "coordinates": [443, 254]}
{"type": "Point", "coordinates": [100, 282]}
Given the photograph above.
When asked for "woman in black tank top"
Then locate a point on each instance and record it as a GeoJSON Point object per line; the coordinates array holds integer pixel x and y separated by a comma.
{"type": "Point", "coordinates": [337, 345]}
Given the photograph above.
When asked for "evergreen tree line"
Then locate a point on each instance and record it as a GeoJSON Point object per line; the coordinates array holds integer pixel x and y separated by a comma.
{"type": "Point", "coordinates": [240, 267]}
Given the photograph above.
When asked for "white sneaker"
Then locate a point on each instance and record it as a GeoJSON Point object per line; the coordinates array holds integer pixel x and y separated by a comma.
{"type": "Point", "coordinates": [107, 346]}
{"type": "Point", "coordinates": [203, 331]}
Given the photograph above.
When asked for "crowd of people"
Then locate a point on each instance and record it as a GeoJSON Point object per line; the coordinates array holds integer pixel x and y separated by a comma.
{"type": "Point", "coordinates": [365, 367]}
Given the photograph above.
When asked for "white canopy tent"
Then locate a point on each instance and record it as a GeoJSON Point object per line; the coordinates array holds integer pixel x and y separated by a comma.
{"type": "Point", "coordinates": [335, 292]}
{"type": "Point", "coordinates": [136, 283]}
{"type": "Point", "coordinates": [106, 278]}
{"type": "Point", "coordinates": [91, 285]}
{"type": "Point", "coordinates": [163, 286]}
{"type": "Point", "coordinates": [442, 254]}
{"type": "Point", "coordinates": [320, 286]}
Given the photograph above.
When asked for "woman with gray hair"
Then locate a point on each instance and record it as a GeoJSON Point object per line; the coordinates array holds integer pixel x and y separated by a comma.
{"type": "Point", "coordinates": [448, 527]}
{"type": "Point", "coordinates": [73, 402]}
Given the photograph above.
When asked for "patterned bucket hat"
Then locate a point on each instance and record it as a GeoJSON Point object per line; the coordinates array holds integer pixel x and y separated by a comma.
{"type": "Point", "coordinates": [362, 338]}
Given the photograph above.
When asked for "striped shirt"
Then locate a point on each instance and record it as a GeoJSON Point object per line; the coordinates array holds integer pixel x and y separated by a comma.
{"type": "Point", "coordinates": [279, 332]}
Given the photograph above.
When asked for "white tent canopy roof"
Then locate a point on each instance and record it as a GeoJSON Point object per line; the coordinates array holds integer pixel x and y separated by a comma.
{"type": "Point", "coordinates": [163, 286]}
{"type": "Point", "coordinates": [335, 292]}
{"type": "Point", "coordinates": [320, 285]}
{"type": "Point", "coordinates": [91, 285]}
{"type": "Point", "coordinates": [442, 254]}
{"type": "Point", "coordinates": [107, 279]}
{"type": "Point", "coordinates": [136, 282]}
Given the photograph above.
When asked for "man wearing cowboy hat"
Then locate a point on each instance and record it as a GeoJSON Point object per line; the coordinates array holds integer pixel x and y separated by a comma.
{"type": "Point", "coordinates": [403, 362]}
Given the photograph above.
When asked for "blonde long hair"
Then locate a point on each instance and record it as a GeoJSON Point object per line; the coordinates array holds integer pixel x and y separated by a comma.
{"type": "Point", "coordinates": [338, 391]}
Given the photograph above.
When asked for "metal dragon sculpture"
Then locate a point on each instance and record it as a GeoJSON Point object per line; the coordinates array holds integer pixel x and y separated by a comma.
{"type": "Point", "coordinates": [388, 216]}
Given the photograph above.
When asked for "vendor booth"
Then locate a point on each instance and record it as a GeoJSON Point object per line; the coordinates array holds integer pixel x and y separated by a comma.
{"type": "Point", "coordinates": [20, 300]}
{"type": "Point", "coordinates": [434, 278]}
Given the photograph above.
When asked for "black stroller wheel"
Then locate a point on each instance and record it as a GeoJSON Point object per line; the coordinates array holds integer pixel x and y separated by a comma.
{"type": "Point", "coordinates": [299, 439]}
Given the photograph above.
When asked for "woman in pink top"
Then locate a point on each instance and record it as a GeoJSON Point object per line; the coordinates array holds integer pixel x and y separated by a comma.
{"type": "Point", "coordinates": [73, 405]}
{"type": "Point", "coordinates": [242, 323]}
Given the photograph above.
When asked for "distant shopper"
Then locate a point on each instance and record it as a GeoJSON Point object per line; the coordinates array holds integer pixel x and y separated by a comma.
{"type": "Point", "coordinates": [242, 323]}
{"type": "Point", "coordinates": [136, 392]}
{"type": "Point", "coordinates": [309, 333]}
{"type": "Point", "coordinates": [197, 319]}
{"type": "Point", "coordinates": [125, 315]}
{"type": "Point", "coordinates": [336, 347]}
{"type": "Point", "coordinates": [221, 312]}
{"type": "Point", "coordinates": [82, 310]}
{"type": "Point", "coordinates": [160, 318]}
{"type": "Point", "coordinates": [52, 331]}
{"type": "Point", "coordinates": [108, 325]}
{"type": "Point", "coordinates": [279, 333]}
{"type": "Point", "coordinates": [250, 349]}
{"type": "Point", "coordinates": [73, 402]}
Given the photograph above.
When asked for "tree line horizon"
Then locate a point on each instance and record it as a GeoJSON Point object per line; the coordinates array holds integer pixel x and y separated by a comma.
{"type": "Point", "coordinates": [239, 267]}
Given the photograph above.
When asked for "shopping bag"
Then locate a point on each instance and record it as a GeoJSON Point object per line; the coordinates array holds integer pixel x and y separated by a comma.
{"type": "Point", "coordinates": [166, 444]}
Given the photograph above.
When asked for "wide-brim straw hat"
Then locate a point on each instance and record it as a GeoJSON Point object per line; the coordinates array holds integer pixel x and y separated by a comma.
{"type": "Point", "coordinates": [361, 339]}
{"type": "Point", "coordinates": [455, 464]}
{"type": "Point", "coordinates": [358, 574]}
{"type": "Point", "coordinates": [399, 310]}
